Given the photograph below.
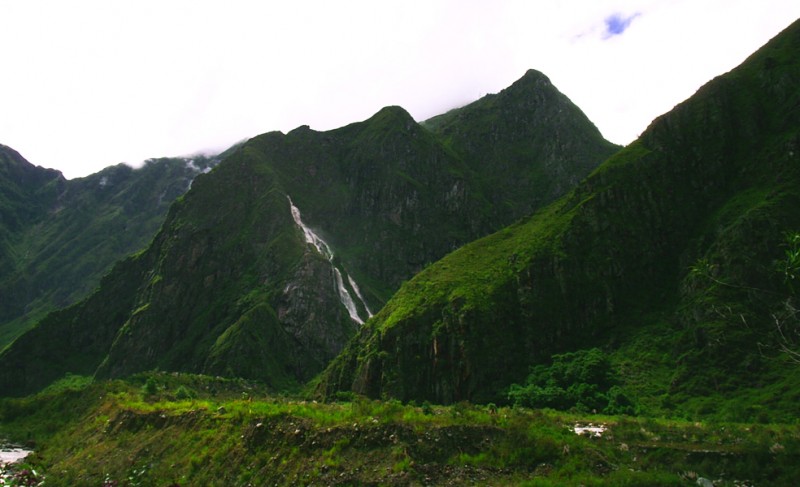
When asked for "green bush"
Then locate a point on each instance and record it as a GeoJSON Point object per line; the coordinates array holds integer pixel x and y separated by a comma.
{"type": "Point", "coordinates": [581, 380]}
{"type": "Point", "coordinates": [427, 408]}
{"type": "Point", "coordinates": [150, 387]}
{"type": "Point", "coordinates": [183, 393]}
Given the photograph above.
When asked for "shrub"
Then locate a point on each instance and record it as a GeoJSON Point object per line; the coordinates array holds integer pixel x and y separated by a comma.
{"type": "Point", "coordinates": [581, 380]}
{"type": "Point", "coordinates": [150, 387]}
{"type": "Point", "coordinates": [183, 393]}
{"type": "Point", "coordinates": [427, 408]}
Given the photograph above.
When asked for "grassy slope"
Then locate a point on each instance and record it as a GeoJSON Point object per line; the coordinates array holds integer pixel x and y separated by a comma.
{"type": "Point", "coordinates": [26, 194]}
{"type": "Point", "coordinates": [208, 282]}
{"type": "Point", "coordinates": [560, 146]}
{"type": "Point", "coordinates": [608, 266]}
{"type": "Point", "coordinates": [219, 293]}
{"type": "Point", "coordinates": [83, 227]}
{"type": "Point", "coordinates": [230, 433]}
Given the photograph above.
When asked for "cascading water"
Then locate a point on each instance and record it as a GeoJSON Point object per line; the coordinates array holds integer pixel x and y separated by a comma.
{"type": "Point", "coordinates": [325, 249]}
{"type": "Point", "coordinates": [358, 293]}
{"type": "Point", "coordinates": [345, 298]}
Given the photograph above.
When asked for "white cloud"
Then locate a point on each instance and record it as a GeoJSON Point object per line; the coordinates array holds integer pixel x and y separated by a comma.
{"type": "Point", "coordinates": [88, 84]}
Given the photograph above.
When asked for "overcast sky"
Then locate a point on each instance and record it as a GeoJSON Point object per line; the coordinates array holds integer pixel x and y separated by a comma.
{"type": "Point", "coordinates": [88, 84]}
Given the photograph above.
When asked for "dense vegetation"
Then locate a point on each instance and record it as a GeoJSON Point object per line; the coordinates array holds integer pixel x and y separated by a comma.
{"type": "Point", "coordinates": [642, 329]}
{"type": "Point", "coordinates": [713, 184]}
{"type": "Point", "coordinates": [583, 381]}
{"type": "Point", "coordinates": [229, 285]}
{"type": "Point", "coordinates": [228, 432]}
{"type": "Point", "coordinates": [58, 237]}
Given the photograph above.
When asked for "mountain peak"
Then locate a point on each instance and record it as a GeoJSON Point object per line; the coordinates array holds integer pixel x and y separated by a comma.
{"type": "Point", "coordinates": [533, 75]}
{"type": "Point", "coordinates": [389, 195]}
{"type": "Point", "coordinates": [392, 114]}
{"type": "Point", "coordinates": [532, 81]}
{"type": "Point", "coordinates": [17, 168]}
{"type": "Point", "coordinates": [581, 272]}
{"type": "Point", "coordinates": [390, 119]}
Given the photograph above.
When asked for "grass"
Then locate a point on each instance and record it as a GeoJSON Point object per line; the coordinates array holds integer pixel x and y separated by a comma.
{"type": "Point", "coordinates": [235, 433]}
{"type": "Point", "coordinates": [474, 272]}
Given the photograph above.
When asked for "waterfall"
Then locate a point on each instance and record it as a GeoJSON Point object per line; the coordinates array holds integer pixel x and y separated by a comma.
{"type": "Point", "coordinates": [345, 298]}
{"type": "Point", "coordinates": [324, 249]}
{"type": "Point", "coordinates": [358, 293]}
{"type": "Point", "coordinates": [311, 237]}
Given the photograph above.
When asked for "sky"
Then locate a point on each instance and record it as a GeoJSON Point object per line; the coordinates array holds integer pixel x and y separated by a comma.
{"type": "Point", "coordinates": [88, 84]}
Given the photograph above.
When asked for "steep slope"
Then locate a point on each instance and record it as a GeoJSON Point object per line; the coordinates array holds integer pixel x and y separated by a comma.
{"type": "Point", "coordinates": [711, 185]}
{"type": "Point", "coordinates": [69, 233]}
{"type": "Point", "coordinates": [395, 197]}
{"type": "Point", "coordinates": [26, 192]}
{"type": "Point", "coordinates": [266, 267]}
{"type": "Point", "coordinates": [488, 132]}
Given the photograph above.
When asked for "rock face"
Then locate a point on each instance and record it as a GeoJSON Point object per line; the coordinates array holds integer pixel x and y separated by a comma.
{"type": "Point", "coordinates": [715, 180]}
{"type": "Point", "coordinates": [60, 237]}
{"type": "Point", "coordinates": [231, 286]}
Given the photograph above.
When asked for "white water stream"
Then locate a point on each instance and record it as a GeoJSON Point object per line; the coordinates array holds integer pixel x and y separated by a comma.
{"type": "Point", "coordinates": [12, 454]}
{"type": "Point", "coordinates": [323, 248]}
{"type": "Point", "coordinates": [358, 293]}
{"type": "Point", "coordinates": [9, 454]}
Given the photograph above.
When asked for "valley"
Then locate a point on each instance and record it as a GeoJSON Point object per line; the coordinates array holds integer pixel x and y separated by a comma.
{"type": "Point", "coordinates": [494, 296]}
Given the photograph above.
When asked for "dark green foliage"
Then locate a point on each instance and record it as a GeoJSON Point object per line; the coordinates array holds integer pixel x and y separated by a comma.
{"type": "Point", "coordinates": [107, 432]}
{"type": "Point", "coordinates": [62, 236]}
{"type": "Point", "coordinates": [229, 286]}
{"type": "Point", "coordinates": [182, 393]}
{"type": "Point", "coordinates": [564, 143]}
{"type": "Point", "coordinates": [150, 387]}
{"type": "Point", "coordinates": [499, 147]}
{"type": "Point", "coordinates": [714, 184]}
{"type": "Point", "coordinates": [583, 380]}
{"type": "Point", "coordinates": [790, 265]}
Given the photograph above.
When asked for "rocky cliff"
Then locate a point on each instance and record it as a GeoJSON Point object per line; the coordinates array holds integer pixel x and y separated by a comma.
{"type": "Point", "coordinates": [713, 182]}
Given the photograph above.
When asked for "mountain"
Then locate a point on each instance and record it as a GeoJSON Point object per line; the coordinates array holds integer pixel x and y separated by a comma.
{"type": "Point", "coordinates": [58, 237]}
{"type": "Point", "coordinates": [27, 192]}
{"type": "Point", "coordinates": [500, 134]}
{"type": "Point", "coordinates": [268, 265]}
{"type": "Point", "coordinates": [664, 258]}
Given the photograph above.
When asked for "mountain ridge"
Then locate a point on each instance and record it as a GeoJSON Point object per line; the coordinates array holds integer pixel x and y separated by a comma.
{"type": "Point", "coordinates": [76, 229]}
{"type": "Point", "coordinates": [229, 286]}
{"type": "Point", "coordinates": [613, 253]}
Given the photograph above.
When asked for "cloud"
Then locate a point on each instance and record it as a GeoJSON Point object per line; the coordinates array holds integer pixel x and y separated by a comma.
{"type": "Point", "coordinates": [616, 24]}
{"type": "Point", "coordinates": [104, 82]}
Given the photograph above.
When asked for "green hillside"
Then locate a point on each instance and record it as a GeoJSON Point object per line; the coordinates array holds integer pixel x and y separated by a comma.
{"type": "Point", "coordinates": [175, 429]}
{"type": "Point", "coordinates": [59, 237]}
{"type": "Point", "coordinates": [27, 191]}
{"type": "Point", "coordinates": [230, 285]}
{"type": "Point", "coordinates": [541, 317]}
{"type": "Point", "coordinates": [670, 258]}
